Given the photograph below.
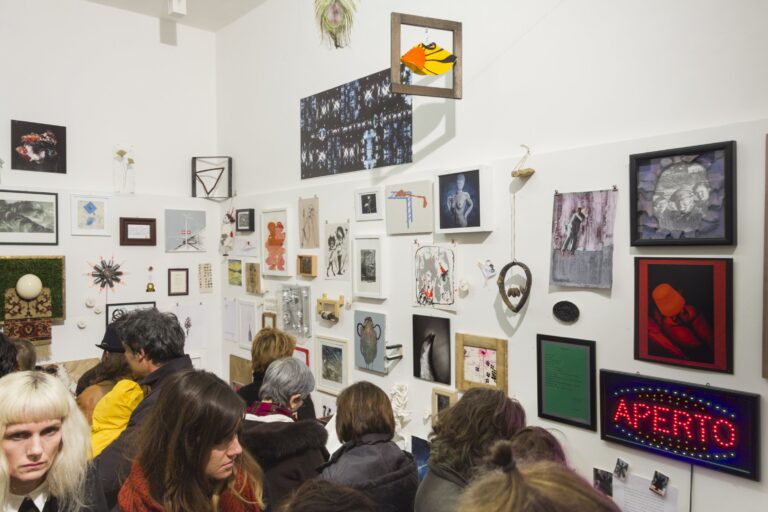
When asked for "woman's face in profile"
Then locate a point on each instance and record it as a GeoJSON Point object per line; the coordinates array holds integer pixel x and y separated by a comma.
{"type": "Point", "coordinates": [221, 463]}
{"type": "Point", "coordinates": [31, 448]}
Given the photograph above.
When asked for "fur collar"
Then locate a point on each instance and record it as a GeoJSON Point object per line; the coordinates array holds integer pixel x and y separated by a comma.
{"type": "Point", "coordinates": [272, 442]}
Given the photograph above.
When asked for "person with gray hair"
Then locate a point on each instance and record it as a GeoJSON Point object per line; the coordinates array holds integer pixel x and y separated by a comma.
{"type": "Point", "coordinates": [288, 451]}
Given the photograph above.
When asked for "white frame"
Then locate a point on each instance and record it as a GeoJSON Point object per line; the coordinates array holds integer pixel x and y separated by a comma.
{"type": "Point", "coordinates": [257, 309]}
{"type": "Point", "coordinates": [485, 177]}
{"type": "Point", "coordinates": [265, 271]}
{"type": "Point", "coordinates": [360, 289]}
{"type": "Point", "coordinates": [362, 217]}
{"type": "Point", "coordinates": [325, 385]}
{"type": "Point", "coordinates": [73, 210]}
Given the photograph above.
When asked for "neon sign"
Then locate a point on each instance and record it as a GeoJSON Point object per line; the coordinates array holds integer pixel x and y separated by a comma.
{"type": "Point", "coordinates": [711, 427]}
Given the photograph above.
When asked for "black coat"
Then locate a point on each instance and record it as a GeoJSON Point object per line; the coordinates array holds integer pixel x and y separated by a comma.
{"type": "Point", "coordinates": [378, 468]}
{"type": "Point", "coordinates": [250, 393]}
{"type": "Point", "coordinates": [440, 490]}
{"type": "Point", "coordinates": [93, 498]}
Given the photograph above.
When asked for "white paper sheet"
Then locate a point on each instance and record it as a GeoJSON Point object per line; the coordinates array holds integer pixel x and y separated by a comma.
{"type": "Point", "coordinates": [634, 495]}
{"type": "Point", "coordinates": [193, 322]}
{"type": "Point", "coordinates": [229, 319]}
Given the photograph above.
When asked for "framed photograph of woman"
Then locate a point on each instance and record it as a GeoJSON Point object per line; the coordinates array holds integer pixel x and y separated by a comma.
{"type": "Point", "coordinates": [464, 201]}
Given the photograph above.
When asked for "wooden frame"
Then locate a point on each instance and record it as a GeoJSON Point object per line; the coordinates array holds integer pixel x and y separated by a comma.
{"type": "Point", "coordinates": [178, 281]}
{"type": "Point", "coordinates": [580, 404]}
{"type": "Point", "coordinates": [268, 319]}
{"type": "Point", "coordinates": [332, 372]}
{"type": "Point", "coordinates": [10, 237]}
{"type": "Point", "coordinates": [240, 372]}
{"type": "Point", "coordinates": [329, 309]}
{"type": "Point", "coordinates": [464, 341]}
{"type": "Point", "coordinates": [306, 265]}
{"type": "Point", "coordinates": [399, 19]}
{"type": "Point", "coordinates": [478, 182]}
{"type": "Point", "coordinates": [439, 397]}
{"type": "Point", "coordinates": [245, 220]}
{"type": "Point", "coordinates": [212, 177]}
{"type": "Point", "coordinates": [133, 232]}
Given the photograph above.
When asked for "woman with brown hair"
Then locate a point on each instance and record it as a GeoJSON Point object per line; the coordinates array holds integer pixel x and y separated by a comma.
{"type": "Point", "coordinates": [189, 455]}
{"type": "Point", "coordinates": [536, 444]}
{"type": "Point", "coordinates": [368, 460]}
{"type": "Point", "coordinates": [461, 440]}
{"type": "Point", "coordinates": [538, 487]}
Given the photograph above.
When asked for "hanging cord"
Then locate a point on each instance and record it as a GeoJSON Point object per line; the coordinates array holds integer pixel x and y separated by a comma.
{"type": "Point", "coordinates": [523, 159]}
{"type": "Point", "coordinates": [690, 490]}
{"type": "Point", "coordinates": [514, 226]}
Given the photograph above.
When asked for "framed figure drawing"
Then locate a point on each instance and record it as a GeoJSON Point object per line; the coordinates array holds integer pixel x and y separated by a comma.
{"type": "Point", "coordinates": [464, 201]}
{"type": "Point", "coordinates": [274, 232]}
{"type": "Point", "coordinates": [91, 215]}
{"type": "Point", "coordinates": [29, 218]}
{"type": "Point", "coordinates": [369, 204]}
{"type": "Point", "coordinates": [481, 362]}
{"type": "Point", "coordinates": [368, 274]}
{"type": "Point", "coordinates": [409, 208]}
{"type": "Point", "coordinates": [309, 222]}
{"type": "Point", "coordinates": [684, 196]}
{"type": "Point", "coordinates": [38, 147]}
{"type": "Point", "coordinates": [332, 371]}
{"type": "Point", "coordinates": [336, 244]}
{"type": "Point", "coordinates": [138, 231]}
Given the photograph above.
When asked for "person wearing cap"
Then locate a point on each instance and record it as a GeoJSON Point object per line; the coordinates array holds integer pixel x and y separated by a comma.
{"type": "Point", "coordinates": [110, 344]}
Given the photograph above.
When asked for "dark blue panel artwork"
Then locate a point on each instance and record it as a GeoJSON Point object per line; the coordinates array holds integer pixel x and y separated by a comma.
{"type": "Point", "coordinates": [460, 200]}
{"type": "Point", "coordinates": [358, 125]}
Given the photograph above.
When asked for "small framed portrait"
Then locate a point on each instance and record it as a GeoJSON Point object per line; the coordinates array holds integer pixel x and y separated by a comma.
{"type": "Point", "coordinates": [464, 201]}
{"type": "Point", "coordinates": [368, 267]}
{"type": "Point", "coordinates": [481, 362]}
{"type": "Point", "coordinates": [212, 177]}
{"type": "Point", "coordinates": [332, 371]}
{"type": "Point", "coordinates": [441, 400]}
{"type": "Point", "coordinates": [90, 215]}
{"type": "Point", "coordinates": [684, 196]}
{"type": "Point", "coordinates": [178, 281]}
{"type": "Point", "coordinates": [659, 483]}
{"type": "Point", "coordinates": [306, 265]}
{"type": "Point", "coordinates": [38, 147]}
{"type": "Point", "coordinates": [138, 231]}
{"type": "Point", "coordinates": [368, 204]}
{"type": "Point", "coordinates": [268, 319]}
{"type": "Point", "coordinates": [29, 218]}
{"type": "Point", "coordinates": [244, 220]}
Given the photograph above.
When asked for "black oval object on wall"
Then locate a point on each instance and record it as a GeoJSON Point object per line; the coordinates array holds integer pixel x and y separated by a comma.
{"type": "Point", "coordinates": [566, 311]}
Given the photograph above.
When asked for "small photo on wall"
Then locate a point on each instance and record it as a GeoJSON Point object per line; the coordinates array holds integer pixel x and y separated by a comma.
{"type": "Point", "coordinates": [90, 215]}
{"type": "Point", "coordinates": [38, 147]}
{"type": "Point", "coordinates": [369, 204]}
{"type": "Point", "coordinates": [432, 348]}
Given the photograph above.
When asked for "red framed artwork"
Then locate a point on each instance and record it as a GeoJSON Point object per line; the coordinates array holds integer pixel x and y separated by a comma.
{"type": "Point", "coordinates": [684, 312]}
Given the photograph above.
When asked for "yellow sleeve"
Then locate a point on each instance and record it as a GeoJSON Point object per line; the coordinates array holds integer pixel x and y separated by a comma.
{"type": "Point", "coordinates": [111, 414]}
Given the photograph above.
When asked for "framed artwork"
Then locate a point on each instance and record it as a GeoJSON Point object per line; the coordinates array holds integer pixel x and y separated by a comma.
{"type": "Point", "coordinates": [38, 147]}
{"type": "Point", "coordinates": [240, 372]}
{"type": "Point", "coordinates": [684, 196]}
{"type": "Point", "coordinates": [116, 311]}
{"type": "Point", "coordinates": [212, 177]}
{"type": "Point", "coordinates": [244, 220]}
{"type": "Point", "coordinates": [178, 281]}
{"type": "Point", "coordinates": [268, 319]}
{"type": "Point", "coordinates": [409, 208]}
{"type": "Point", "coordinates": [481, 362]}
{"type": "Point", "coordinates": [368, 263]}
{"type": "Point", "coordinates": [566, 380]}
{"type": "Point", "coordinates": [464, 201]}
{"type": "Point", "coordinates": [309, 222]}
{"type": "Point", "coordinates": [229, 319]}
{"type": "Point", "coordinates": [336, 246]}
{"type": "Point", "coordinates": [205, 277]}
{"type": "Point", "coordinates": [432, 348]}
{"type": "Point", "coordinates": [51, 271]}
{"type": "Point", "coordinates": [684, 312]}
{"type": "Point", "coordinates": [332, 371]}
{"type": "Point", "coordinates": [416, 58]}
{"type": "Point", "coordinates": [302, 354]}
{"type": "Point", "coordinates": [247, 313]}
{"type": "Point", "coordinates": [369, 204]}
{"type": "Point", "coordinates": [253, 278]}
{"type": "Point", "coordinates": [185, 231]}
{"type": "Point", "coordinates": [295, 310]}
{"type": "Point", "coordinates": [306, 265]}
{"type": "Point", "coordinates": [274, 232]}
{"type": "Point", "coordinates": [235, 272]}
{"type": "Point", "coordinates": [370, 341]}
{"type": "Point", "coordinates": [421, 449]}
{"type": "Point", "coordinates": [90, 215]}
{"type": "Point", "coordinates": [29, 218]}
{"type": "Point", "coordinates": [434, 280]}
{"type": "Point", "coordinates": [442, 399]}
{"type": "Point", "coordinates": [138, 231]}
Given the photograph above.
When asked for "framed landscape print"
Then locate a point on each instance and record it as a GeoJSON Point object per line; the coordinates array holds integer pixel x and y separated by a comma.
{"type": "Point", "coordinates": [368, 267]}
{"type": "Point", "coordinates": [442, 399]}
{"type": "Point", "coordinates": [464, 201]}
{"type": "Point", "coordinates": [566, 380]}
{"type": "Point", "coordinates": [29, 218]}
{"type": "Point", "coordinates": [38, 147]}
{"type": "Point", "coordinates": [138, 231]}
{"type": "Point", "coordinates": [332, 371]}
{"type": "Point", "coordinates": [185, 231]}
{"type": "Point", "coordinates": [684, 196]}
{"type": "Point", "coordinates": [212, 177]}
{"type": "Point", "coordinates": [409, 208]}
{"type": "Point", "coordinates": [244, 220]}
{"type": "Point", "coordinates": [90, 215]}
{"type": "Point", "coordinates": [369, 204]}
{"type": "Point", "coordinates": [116, 311]}
{"type": "Point", "coordinates": [274, 244]}
{"type": "Point", "coordinates": [684, 312]}
{"type": "Point", "coordinates": [481, 362]}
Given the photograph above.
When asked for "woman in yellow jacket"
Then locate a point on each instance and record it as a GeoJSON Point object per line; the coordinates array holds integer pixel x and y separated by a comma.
{"type": "Point", "coordinates": [112, 412]}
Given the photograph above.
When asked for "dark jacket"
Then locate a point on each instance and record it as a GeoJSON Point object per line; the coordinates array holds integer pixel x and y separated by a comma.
{"type": "Point", "coordinates": [440, 490]}
{"type": "Point", "coordinates": [250, 393]}
{"type": "Point", "coordinates": [288, 452]}
{"type": "Point", "coordinates": [378, 468]}
{"type": "Point", "coordinates": [93, 499]}
{"type": "Point", "coordinates": [114, 463]}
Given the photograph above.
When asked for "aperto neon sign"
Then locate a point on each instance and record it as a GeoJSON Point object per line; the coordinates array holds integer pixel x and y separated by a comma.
{"type": "Point", "coordinates": [712, 427]}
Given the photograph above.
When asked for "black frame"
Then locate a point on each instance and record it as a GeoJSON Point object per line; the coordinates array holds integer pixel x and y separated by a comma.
{"type": "Point", "coordinates": [114, 305]}
{"type": "Point", "coordinates": [56, 206]}
{"type": "Point", "coordinates": [590, 345]}
{"type": "Point", "coordinates": [251, 220]}
{"type": "Point", "coordinates": [227, 171]}
{"type": "Point", "coordinates": [126, 221]}
{"type": "Point", "coordinates": [186, 275]}
{"type": "Point", "coordinates": [729, 200]}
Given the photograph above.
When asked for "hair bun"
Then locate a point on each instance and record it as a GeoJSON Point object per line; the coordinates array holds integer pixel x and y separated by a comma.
{"type": "Point", "coordinates": [502, 456]}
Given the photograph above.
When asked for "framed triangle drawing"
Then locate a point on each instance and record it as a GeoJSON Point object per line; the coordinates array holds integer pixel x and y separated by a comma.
{"type": "Point", "coordinates": [212, 177]}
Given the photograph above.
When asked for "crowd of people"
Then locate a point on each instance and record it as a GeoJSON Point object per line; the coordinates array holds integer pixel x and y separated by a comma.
{"type": "Point", "coordinates": [147, 432]}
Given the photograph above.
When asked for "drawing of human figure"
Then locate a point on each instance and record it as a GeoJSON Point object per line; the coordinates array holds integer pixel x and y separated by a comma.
{"type": "Point", "coordinates": [341, 253]}
{"type": "Point", "coordinates": [572, 229]}
{"type": "Point", "coordinates": [460, 203]}
{"type": "Point", "coordinates": [330, 270]}
{"type": "Point", "coordinates": [275, 246]}
{"type": "Point", "coordinates": [309, 227]}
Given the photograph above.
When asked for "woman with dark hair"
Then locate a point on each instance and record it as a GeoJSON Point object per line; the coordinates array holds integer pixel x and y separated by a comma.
{"type": "Point", "coordinates": [321, 496]}
{"type": "Point", "coordinates": [461, 439]}
{"type": "Point", "coordinates": [368, 460]}
{"type": "Point", "coordinates": [26, 356]}
{"type": "Point", "coordinates": [537, 444]}
{"type": "Point", "coordinates": [189, 455]}
{"type": "Point", "coordinates": [8, 362]}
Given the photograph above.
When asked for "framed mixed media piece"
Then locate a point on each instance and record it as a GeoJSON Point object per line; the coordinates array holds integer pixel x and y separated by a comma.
{"type": "Point", "coordinates": [268, 319]}
{"type": "Point", "coordinates": [368, 262]}
{"type": "Point", "coordinates": [684, 196]}
{"type": "Point", "coordinates": [409, 208]}
{"type": "Point", "coordinates": [295, 310]}
{"type": "Point", "coordinates": [370, 341]}
{"type": "Point", "coordinates": [178, 281]}
{"type": "Point", "coordinates": [464, 201]}
{"type": "Point", "coordinates": [369, 204]}
{"type": "Point", "coordinates": [309, 222]}
{"type": "Point", "coordinates": [117, 311]}
{"type": "Point", "coordinates": [247, 313]}
{"type": "Point", "coordinates": [29, 218]}
{"type": "Point", "coordinates": [49, 304]}
{"type": "Point", "coordinates": [253, 278]}
{"type": "Point", "coordinates": [481, 362]}
{"type": "Point", "coordinates": [274, 232]}
{"type": "Point", "coordinates": [302, 354]}
{"type": "Point", "coordinates": [185, 231]}
{"type": "Point", "coordinates": [212, 177]}
{"type": "Point", "coordinates": [442, 399]}
{"type": "Point", "coordinates": [244, 220]}
{"type": "Point", "coordinates": [38, 147]}
{"type": "Point", "coordinates": [306, 265]}
{"type": "Point", "coordinates": [566, 380]}
{"type": "Point", "coordinates": [235, 272]}
{"type": "Point", "coordinates": [332, 371]}
{"type": "Point", "coordinates": [90, 215]}
{"type": "Point", "coordinates": [336, 245]}
{"type": "Point", "coordinates": [138, 231]}
{"type": "Point", "coordinates": [434, 279]}
{"type": "Point", "coordinates": [432, 348]}
{"type": "Point", "coordinates": [684, 312]}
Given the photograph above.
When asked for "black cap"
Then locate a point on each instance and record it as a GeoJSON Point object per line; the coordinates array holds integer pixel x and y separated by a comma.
{"type": "Point", "coordinates": [110, 342]}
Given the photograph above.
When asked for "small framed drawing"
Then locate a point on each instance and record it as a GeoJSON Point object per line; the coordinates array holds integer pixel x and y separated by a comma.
{"type": "Point", "coordinates": [441, 400]}
{"type": "Point", "coordinates": [29, 218]}
{"type": "Point", "coordinates": [248, 311]}
{"type": "Point", "coordinates": [90, 215]}
{"type": "Point", "coordinates": [306, 265]}
{"type": "Point", "coordinates": [268, 319]}
{"type": "Point", "coordinates": [464, 201]}
{"type": "Point", "coordinates": [138, 231]}
{"type": "Point", "coordinates": [178, 281]}
{"type": "Point", "coordinates": [368, 267]}
{"type": "Point", "coordinates": [332, 365]}
{"type": "Point", "coordinates": [253, 278]}
{"type": "Point", "coordinates": [212, 177]}
{"type": "Point", "coordinates": [117, 311]}
{"type": "Point", "coordinates": [274, 242]}
{"type": "Point", "coordinates": [481, 362]}
{"type": "Point", "coordinates": [302, 354]}
{"type": "Point", "coordinates": [368, 204]}
{"type": "Point", "coordinates": [683, 196]}
{"type": "Point", "coordinates": [566, 380]}
{"type": "Point", "coordinates": [244, 220]}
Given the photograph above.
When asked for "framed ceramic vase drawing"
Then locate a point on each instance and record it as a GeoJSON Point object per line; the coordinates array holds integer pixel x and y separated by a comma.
{"type": "Point", "coordinates": [370, 341]}
{"type": "Point", "coordinates": [368, 271]}
{"type": "Point", "coordinates": [464, 202]}
{"type": "Point", "coordinates": [274, 245]}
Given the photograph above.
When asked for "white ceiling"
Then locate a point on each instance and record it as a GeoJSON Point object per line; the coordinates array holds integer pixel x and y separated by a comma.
{"type": "Point", "coordinates": [203, 14]}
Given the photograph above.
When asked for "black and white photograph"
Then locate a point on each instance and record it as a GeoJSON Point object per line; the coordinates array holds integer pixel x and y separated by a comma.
{"type": "Point", "coordinates": [602, 480]}
{"type": "Point", "coordinates": [368, 265]}
{"type": "Point", "coordinates": [369, 204]}
{"type": "Point", "coordinates": [245, 220]}
{"type": "Point", "coordinates": [38, 147]}
{"type": "Point", "coordinates": [336, 245]}
{"type": "Point", "coordinates": [29, 218]}
{"type": "Point", "coordinates": [620, 469]}
{"type": "Point", "coordinates": [368, 275]}
{"type": "Point", "coordinates": [432, 348]}
{"type": "Point", "coordinates": [459, 195]}
{"type": "Point", "coordinates": [659, 483]}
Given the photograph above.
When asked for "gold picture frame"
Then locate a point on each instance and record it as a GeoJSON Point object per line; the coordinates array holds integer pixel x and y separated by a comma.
{"type": "Point", "coordinates": [442, 399]}
{"type": "Point", "coordinates": [487, 359]}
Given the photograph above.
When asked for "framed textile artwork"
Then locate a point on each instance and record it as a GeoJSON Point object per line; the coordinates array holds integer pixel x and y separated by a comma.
{"type": "Point", "coordinates": [91, 215]}
{"type": "Point", "coordinates": [332, 371]}
{"type": "Point", "coordinates": [212, 177]}
{"type": "Point", "coordinates": [481, 362]}
{"type": "Point", "coordinates": [29, 218]}
{"type": "Point", "coordinates": [138, 231]}
{"type": "Point", "coordinates": [274, 245]}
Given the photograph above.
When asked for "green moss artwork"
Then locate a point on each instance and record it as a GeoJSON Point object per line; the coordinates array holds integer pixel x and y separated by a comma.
{"type": "Point", "coordinates": [50, 270]}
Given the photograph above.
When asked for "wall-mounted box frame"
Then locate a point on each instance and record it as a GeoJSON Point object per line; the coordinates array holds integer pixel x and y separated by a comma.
{"type": "Point", "coordinates": [138, 231]}
{"type": "Point", "coordinates": [212, 177]}
{"type": "Point", "coordinates": [245, 220]}
{"type": "Point", "coordinates": [306, 265]}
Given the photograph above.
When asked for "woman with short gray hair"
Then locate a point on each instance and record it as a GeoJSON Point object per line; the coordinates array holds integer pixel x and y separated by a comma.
{"type": "Point", "coordinates": [289, 451]}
